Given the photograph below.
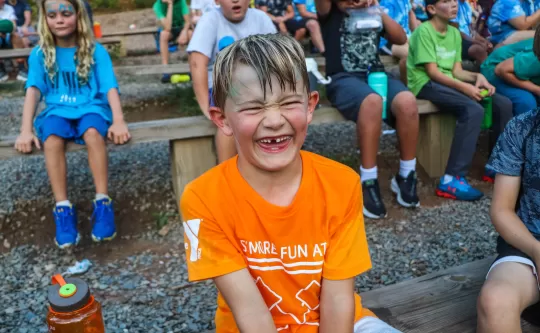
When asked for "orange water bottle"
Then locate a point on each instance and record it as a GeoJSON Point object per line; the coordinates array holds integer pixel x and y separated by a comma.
{"type": "Point", "coordinates": [72, 309]}
{"type": "Point", "coordinates": [97, 30]}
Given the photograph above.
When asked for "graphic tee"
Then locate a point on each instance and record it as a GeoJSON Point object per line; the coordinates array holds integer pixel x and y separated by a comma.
{"type": "Point", "coordinates": [180, 8]}
{"type": "Point", "coordinates": [66, 97]}
{"type": "Point", "coordinates": [288, 250]}
{"type": "Point", "coordinates": [213, 27]}
{"type": "Point", "coordinates": [427, 45]}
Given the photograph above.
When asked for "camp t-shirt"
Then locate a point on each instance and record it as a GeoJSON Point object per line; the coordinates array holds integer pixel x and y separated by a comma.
{"type": "Point", "coordinates": [427, 45]}
{"type": "Point", "coordinates": [464, 17]}
{"type": "Point", "coordinates": [288, 250]}
{"type": "Point", "coordinates": [526, 64]}
{"type": "Point", "coordinates": [213, 26]}
{"type": "Point", "coordinates": [66, 97]}
{"type": "Point", "coordinates": [399, 11]}
{"type": "Point", "coordinates": [346, 50]}
{"type": "Point", "coordinates": [180, 8]}
{"type": "Point", "coordinates": [516, 155]}
{"type": "Point", "coordinates": [502, 12]}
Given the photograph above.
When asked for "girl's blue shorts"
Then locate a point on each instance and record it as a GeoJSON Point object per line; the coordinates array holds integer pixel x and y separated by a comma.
{"type": "Point", "coordinates": [73, 129]}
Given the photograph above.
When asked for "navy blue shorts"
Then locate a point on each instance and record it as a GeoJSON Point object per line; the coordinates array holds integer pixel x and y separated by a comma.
{"type": "Point", "coordinates": [347, 91]}
{"type": "Point", "coordinates": [73, 129]}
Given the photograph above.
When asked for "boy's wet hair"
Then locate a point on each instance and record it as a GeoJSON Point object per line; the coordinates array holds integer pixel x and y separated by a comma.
{"type": "Point", "coordinates": [271, 56]}
{"type": "Point", "coordinates": [536, 43]}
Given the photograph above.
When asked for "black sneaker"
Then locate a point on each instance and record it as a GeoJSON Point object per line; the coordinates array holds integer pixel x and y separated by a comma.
{"type": "Point", "coordinates": [405, 189]}
{"type": "Point", "coordinates": [373, 204]}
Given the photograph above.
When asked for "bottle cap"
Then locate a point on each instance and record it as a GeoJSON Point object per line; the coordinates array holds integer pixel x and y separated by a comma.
{"type": "Point", "coordinates": [68, 295]}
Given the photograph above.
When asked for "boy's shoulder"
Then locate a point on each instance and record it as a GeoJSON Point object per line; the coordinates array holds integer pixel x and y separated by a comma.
{"type": "Point", "coordinates": [255, 14]}
{"type": "Point", "coordinates": [338, 175]}
{"type": "Point", "coordinates": [522, 124]}
{"type": "Point", "coordinates": [209, 184]}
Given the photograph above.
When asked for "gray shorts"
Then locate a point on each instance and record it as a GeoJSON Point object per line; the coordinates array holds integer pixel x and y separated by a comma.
{"type": "Point", "coordinates": [347, 91]}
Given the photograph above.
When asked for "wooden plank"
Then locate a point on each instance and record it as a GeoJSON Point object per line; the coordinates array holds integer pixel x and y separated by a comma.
{"type": "Point", "coordinates": [15, 53]}
{"type": "Point", "coordinates": [179, 68]}
{"type": "Point", "coordinates": [435, 135]}
{"type": "Point", "coordinates": [190, 158]}
{"type": "Point", "coordinates": [131, 32]}
{"type": "Point", "coordinates": [109, 40]}
{"type": "Point", "coordinates": [438, 302]}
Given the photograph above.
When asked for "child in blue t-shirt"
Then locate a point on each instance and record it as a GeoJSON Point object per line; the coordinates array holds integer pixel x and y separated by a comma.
{"type": "Point", "coordinates": [74, 75]}
{"type": "Point", "coordinates": [510, 21]}
{"type": "Point", "coordinates": [473, 46]}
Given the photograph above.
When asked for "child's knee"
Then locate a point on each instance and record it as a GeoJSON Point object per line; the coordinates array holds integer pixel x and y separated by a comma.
{"type": "Point", "coordinates": [525, 102]}
{"type": "Point", "coordinates": [92, 136]}
{"type": "Point", "coordinates": [165, 35]}
{"type": "Point", "coordinates": [53, 142]}
{"type": "Point", "coordinates": [404, 105]}
{"type": "Point", "coordinates": [489, 304]}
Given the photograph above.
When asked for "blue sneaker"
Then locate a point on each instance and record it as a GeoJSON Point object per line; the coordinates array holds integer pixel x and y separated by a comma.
{"type": "Point", "coordinates": [103, 227]}
{"type": "Point", "coordinates": [65, 219]}
{"type": "Point", "coordinates": [458, 189]}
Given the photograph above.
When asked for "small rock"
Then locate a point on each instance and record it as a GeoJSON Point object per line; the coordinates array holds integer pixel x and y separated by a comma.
{"type": "Point", "coordinates": [7, 245]}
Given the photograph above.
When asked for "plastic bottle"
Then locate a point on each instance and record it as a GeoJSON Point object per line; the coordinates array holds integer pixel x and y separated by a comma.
{"type": "Point", "coordinates": [97, 30]}
{"type": "Point", "coordinates": [363, 19]}
{"type": "Point", "coordinates": [72, 309]}
{"type": "Point", "coordinates": [487, 103]}
{"type": "Point", "coordinates": [378, 81]}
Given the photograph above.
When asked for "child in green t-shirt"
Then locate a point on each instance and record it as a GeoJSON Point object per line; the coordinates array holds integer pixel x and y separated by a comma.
{"type": "Point", "coordinates": [175, 21]}
{"type": "Point", "coordinates": [514, 70]}
{"type": "Point", "coordinates": [434, 73]}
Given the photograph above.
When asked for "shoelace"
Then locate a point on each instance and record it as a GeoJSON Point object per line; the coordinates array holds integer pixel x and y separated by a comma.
{"type": "Point", "coordinates": [99, 212]}
{"type": "Point", "coordinates": [373, 194]}
{"type": "Point", "coordinates": [63, 220]}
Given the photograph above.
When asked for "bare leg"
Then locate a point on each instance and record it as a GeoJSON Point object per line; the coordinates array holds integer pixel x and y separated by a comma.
{"type": "Point", "coordinates": [97, 158]}
{"type": "Point", "coordinates": [300, 34]}
{"type": "Point", "coordinates": [509, 289]}
{"type": "Point", "coordinates": [164, 37]}
{"type": "Point", "coordinates": [368, 127]}
{"type": "Point", "coordinates": [516, 37]}
{"type": "Point", "coordinates": [400, 51]}
{"type": "Point", "coordinates": [478, 53]}
{"type": "Point", "coordinates": [55, 162]}
{"type": "Point", "coordinates": [405, 110]}
{"type": "Point", "coordinates": [225, 146]}
{"type": "Point", "coordinates": [316, 36]}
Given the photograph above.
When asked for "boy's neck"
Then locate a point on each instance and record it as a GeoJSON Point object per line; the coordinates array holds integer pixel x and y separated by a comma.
{"type": "Point", "coordinates": [66, 42]}
{"type": "Point", "coordinates": [439, 24]}
{"type": "Point", "coordinates": [276, 187]}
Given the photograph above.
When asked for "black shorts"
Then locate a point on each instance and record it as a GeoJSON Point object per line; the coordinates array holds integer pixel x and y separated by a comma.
{"type": "Point", "coordinates": [294, 25]}
{"type": "Point", "coordinates": [465, 46]}
{"type": "Point", "coordinates": [508, 253]}
{"type": "Point", "coordinates": [347, 91]}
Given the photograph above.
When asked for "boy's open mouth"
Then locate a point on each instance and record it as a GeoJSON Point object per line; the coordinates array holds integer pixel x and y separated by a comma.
{"type": "Point", "coordinates": [274, 144]}
{"type": "Point", "coordinates": [237, 9]}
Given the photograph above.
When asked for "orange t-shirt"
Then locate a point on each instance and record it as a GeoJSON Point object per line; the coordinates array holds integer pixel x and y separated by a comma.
{"type": "Point", "coordinates": [288, 250]}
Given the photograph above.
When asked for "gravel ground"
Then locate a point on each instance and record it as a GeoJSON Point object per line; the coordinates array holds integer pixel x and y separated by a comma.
{"type": "Point", "coordinates": [148, 290]}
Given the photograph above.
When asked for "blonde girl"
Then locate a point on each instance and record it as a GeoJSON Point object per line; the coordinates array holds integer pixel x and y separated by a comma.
{"type": "Point", "coordinates": [74, 75]}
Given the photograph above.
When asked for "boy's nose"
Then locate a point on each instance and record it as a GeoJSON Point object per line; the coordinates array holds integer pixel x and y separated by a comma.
{"type": "Point", "coordinates": [273, 118]}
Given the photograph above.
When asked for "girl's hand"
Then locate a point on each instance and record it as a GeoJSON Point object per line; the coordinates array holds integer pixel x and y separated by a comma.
{"type": "Point", "coordinates": [482, 82]}
{"type": "Point", "coordinates": [118, 132]}
{"type": "Point", "coordinates": [24, 142]}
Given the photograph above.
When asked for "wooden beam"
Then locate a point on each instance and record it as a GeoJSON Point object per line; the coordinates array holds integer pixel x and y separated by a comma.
{"type": "Point", "coordinates": [435, 135]}
{"type": "Point", "coordinates": [131, 32]}
{"type": "Point", "coordinates": [15, 53]}
{"type": "Point", "coordinates": [179, 68]}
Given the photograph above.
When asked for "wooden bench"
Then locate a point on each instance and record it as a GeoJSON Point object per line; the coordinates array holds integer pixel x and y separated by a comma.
{"type": "Point", "coordinates": [122, 35]}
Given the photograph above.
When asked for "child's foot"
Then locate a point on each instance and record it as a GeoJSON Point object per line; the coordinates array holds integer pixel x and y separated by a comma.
{"type": "Point", "coordinates": [458, 189]}
{"type": "Point", "coordinates": [103, 227]}
{"type": "Point", "coordinates": [65, 219]}
{"type": "Point", "coordinates": [22, 76]}
{"type": "Point", "coordinates": [405, 189]}
{"type": "Point", "coordinates": [373, 204]}
{"type": "Point", "coordinates": [489, 176]}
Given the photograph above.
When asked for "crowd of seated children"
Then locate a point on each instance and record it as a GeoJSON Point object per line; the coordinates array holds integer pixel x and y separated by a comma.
{"type": "Point", "coordinates": [9, 38]}
{"type": "Point", "coordinates": [474, 47]}
{"type": "Point", "coordinates": [306, 13]}
{"type": "Point", "coordinates": [511, 21]}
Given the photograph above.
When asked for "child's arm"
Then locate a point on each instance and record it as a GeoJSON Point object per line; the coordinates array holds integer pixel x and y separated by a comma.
{"type": "Point", "coordinates": [413, 22]}
{"type": "Point", "coordinates": [198, 65]}
{"type": "Point", "coordinates": [394, 33]}
{"type": "Point", "coordinates": [247, 305]}
{"type": "Point", "coordinates": [466, 88]}
{"type": "Point", "coordinates": [337, 306]}
{"type": "Point", "coordinates": [301, 7]}
{"type": "Point", "coordinates": [478, 79]}
{"type": "Point", "coordinates": [289, 14]}
{"type": "Point", "coordinates": [323, 7]}
{"type": "Point", "coordinates": [167, 21]}
{"type": "Point", "coordinates": [118, 131]}
{"type": "Point", "coordinates": [504, 217]}
{"type": "Point", "coordinates": [26, 137]}
{"type": "Point", "coordinates": [525, 22]}
{"type": "Point", "coordinates": [505, 70]}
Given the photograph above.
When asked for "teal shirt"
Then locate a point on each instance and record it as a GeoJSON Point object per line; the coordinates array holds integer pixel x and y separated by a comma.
{"type": "Point", "coordinates": [427, 45]}
{"type": "Point", "coordinates": [526, 64]}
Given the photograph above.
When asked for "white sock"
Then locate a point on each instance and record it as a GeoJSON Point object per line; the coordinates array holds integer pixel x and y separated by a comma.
{"type": "Point", "coordinates": [100, 196]}
{"type": "Point", "coordinates": [405, 167]}
{"type": "Point", "coordinates": [447, 179]}
{"type": "Point", "coordinates": [368, 174]}
{"type": "Point", "coordinates": [64, 203]}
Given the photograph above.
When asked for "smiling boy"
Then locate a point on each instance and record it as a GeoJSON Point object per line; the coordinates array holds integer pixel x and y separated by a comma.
{"type": "Point", "coordinates": [279, 230]}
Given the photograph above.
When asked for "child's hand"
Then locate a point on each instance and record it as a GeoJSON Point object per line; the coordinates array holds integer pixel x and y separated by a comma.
{"type": "Point", "coordinates": [472, 91]}
{"type": "Point", "coordinates": [119, 133]}
{"type": "Point", "coordinates": [24, 142]}
{"type": "Point", "coordinates": [482, 82]}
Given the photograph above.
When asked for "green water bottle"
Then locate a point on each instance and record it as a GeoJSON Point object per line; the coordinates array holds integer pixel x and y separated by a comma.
{"type": "Point", "coordinates": [180, 78]}
{"type": "Point", "coordinates": [487, 103]}
{"type": "Point", "coordinates": [378, 81]}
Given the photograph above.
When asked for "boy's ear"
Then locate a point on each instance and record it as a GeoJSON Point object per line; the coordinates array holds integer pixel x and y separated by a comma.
{"type": "Point", "coordinates": [430, 9]}
{"type": "Point", "coordinates": [313, 100]}
{"type": "Point", "coordinates": [218, 117]}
